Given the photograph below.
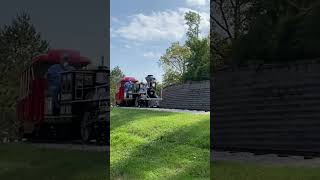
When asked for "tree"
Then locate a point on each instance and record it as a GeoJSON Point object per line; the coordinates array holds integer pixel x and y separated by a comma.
{"type": "Point", "coordinates": [230, 20]}
{"type": "Point", "coordinates": [190, 61]}
{"type": "Point", "coordinates": [159, 88]}
{"type": "Point", "coordinates": [280, 31]}
{"type": "Point", "coordinates": [198, 63]}
{"type": "Point", "coordinates": [231, 17]}
{"type": "Point", "coordinates": [245, 31]}
{"type": "Point", "coordinates": [115, 76]}
{"type": "Point", "coordinates": [19, 43]}
{"type": "Point", "coordinates": [193, 22]}
{"type": "Point", "coordinates": [174, 63]}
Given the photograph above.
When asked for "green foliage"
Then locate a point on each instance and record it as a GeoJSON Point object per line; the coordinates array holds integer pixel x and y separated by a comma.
{"type": "Point", "coordinates": [284, 32]}
{"type": "Point", "coordinates": [307, 34]}
{"type": "Point", "coordinates": [220, 50]}
{"type": "Point", "coordinates": [158, 88]}
{"type": "Point", "coordinates": [192, 21]}
{"type": "Point", "coordinates": [174, 63]}
{"type": "Point", "coordinates": [19, 43]}
{"type": "Point", "coordinates": [115, 76]}
{"type": "Point", "coordinates": [190, 61]}
{"type": "Point", "coordinates": [198, 67]}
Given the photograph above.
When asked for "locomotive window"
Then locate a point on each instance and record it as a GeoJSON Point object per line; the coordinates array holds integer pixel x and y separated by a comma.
{"type": "Point", "coordinates": [79, 76]}
{"type": "Point", "coordinates": [69, 82]}
{"type": "Point", "coordinates": [79, 80]}
{"type": "Point", "coordinates": [88, 79]}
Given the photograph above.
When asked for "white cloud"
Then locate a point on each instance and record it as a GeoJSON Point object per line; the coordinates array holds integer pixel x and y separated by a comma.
{"type": "Point", "coordinates": [115, 20]}
{"type": "Point", "coordinates": [152, 55]}
{"type": "Point", "coordinates": [112, 32]}
{"type": "Point", "coordinates": [127, 46]}
{"type": "Point", "coordinates": [157, 26]}
{"type": "Point", "coordinates": [197, 2]}
{"type": "Point", "coordinates": [162, 25]}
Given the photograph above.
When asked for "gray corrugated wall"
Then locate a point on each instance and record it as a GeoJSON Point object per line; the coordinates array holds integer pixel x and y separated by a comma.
{"type": "Point", "coordinates": [194, 95]}
{"type": "Point", "coordinates": [273, 108]}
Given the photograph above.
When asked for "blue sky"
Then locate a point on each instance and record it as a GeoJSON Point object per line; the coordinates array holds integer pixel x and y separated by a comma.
{"type": "Point", "coordinates": [142, 30]}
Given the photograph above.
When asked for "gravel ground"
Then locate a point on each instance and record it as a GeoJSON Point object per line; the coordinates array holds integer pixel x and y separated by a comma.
{"type": "Point", "coordinates": [169, 110]}
{"type": "Point", "coordinates": [268, 159]}
{"type": "Point", "coordinates": [81, 147]}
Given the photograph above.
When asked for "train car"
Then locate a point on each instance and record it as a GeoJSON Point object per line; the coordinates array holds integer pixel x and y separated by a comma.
{"type": "Point", "coordinates": [120, 97]}
{"type": "Point", "coordinates": [83, 100]}
{"type": "Point", "coordinates": [131, 92]}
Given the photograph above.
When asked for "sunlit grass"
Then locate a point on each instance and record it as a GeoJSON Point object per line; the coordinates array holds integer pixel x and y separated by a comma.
{"type": "Point", "coordinates": [159, 145]}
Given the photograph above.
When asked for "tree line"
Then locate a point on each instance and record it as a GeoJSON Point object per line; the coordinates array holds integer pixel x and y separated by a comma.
{"type": "Point", "coordinates": [189, 60]}
{"type": "Point", "coordinates": [258, 31]}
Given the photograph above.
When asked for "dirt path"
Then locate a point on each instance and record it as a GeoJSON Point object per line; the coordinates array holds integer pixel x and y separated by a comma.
{"type": "Point", "coordinates": [269, 159]}
{"type": "Point", "coordinates": [168, 110]}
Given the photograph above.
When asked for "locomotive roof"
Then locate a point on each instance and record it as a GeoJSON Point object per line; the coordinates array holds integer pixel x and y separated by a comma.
{"type": "Point", "coordinates": [55, 55]}
{"type": "Point", "coordinates": [126, 79]}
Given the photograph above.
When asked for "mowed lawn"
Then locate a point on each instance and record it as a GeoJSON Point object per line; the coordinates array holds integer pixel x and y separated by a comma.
{"type": "Point", "coordinates": [244, 171]}
{"type": "Point", "coordinates": [26, 162]}
{"type": "Point", "coordinates": [155, 145]}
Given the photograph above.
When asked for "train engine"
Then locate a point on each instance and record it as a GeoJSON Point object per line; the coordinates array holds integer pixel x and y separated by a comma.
{"type": "Point", "coordinates": [79, 111]}
{"type": "Point", "coordinates": [131, 92]}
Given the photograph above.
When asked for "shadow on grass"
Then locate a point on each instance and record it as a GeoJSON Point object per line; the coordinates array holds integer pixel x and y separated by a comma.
{"type": "Point", "coordinates": [181, 154]}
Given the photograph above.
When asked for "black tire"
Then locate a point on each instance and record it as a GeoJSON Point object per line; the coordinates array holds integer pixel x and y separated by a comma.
{"type": "Point", "coordinates": [117, 104]}
{"type": "Point", "coordinates": [86, 128]}
{"type": "Point", "coordinates": [101, 133]}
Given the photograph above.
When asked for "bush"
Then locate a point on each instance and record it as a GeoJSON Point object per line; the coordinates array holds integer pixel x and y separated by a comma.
{"type": "Point", "coordinates": [292, 38]}
{"type": "Point", "coordinates": [9, 125]}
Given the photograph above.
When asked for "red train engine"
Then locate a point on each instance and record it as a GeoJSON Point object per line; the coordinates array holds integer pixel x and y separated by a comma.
{"type": "Point", "coordinates": [83, 100]}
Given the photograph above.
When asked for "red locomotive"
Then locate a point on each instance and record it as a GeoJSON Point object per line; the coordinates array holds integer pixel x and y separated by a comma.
{"type": "Point", "coordinates": [83, 99]}
{"type": "Point", "coordinates": [131, 92]}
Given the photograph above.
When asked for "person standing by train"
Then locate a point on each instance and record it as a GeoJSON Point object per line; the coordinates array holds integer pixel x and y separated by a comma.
{"type": "Point", "coordinates": [54, 85]}
{"type": "Point", "coordinates": [127, 86]}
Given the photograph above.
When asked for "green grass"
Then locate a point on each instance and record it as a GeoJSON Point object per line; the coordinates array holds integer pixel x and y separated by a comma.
{"type": "Point", "coordinates": [159, 145]}
{"type": "Point", "coordinates": [242, 171]}
{"type": "Point", "coordinates": [21, 161]}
